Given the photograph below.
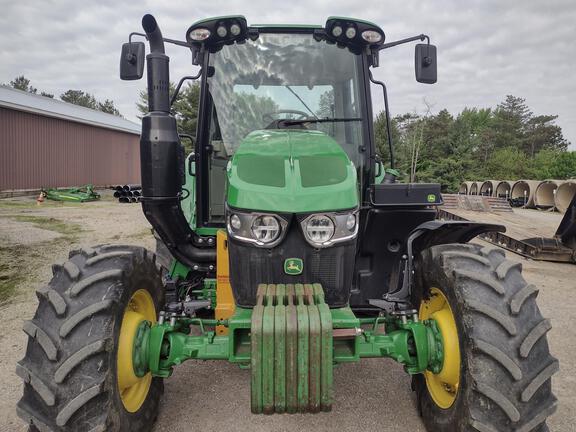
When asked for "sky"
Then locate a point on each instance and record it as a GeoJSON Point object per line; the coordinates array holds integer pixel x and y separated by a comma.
{"type": "Point", "coordinates": [486, 49]}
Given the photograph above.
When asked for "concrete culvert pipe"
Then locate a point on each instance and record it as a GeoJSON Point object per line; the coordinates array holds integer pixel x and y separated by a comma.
{"type": "Point", "coordinates": [522, 194]}
{"type": "Point", "coordinates": [488, 188]}
{"type": "Point", "coordinates": [545, 193]}
{"type": "Point", "coordinates": [504, 189]}
{"type": "Point", "coordinates": [564, 195]}
{"type": "Point", "coordinates": [473, 189]}
{"type": "Point", "coordinates": [465, 188]}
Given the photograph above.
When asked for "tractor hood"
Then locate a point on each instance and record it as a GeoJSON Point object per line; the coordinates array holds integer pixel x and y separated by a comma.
{"type": "Point", "coordinates": [292, 171]}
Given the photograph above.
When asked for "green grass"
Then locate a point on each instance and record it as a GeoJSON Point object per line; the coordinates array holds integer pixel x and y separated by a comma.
{"type": "Point", "coordinates": [11, 274]}
{"type": "Point", "coordinates": [51, 224]}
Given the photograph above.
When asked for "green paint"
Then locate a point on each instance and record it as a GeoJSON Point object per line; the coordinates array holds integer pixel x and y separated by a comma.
{"type": "Point", "coordinates": [293, 266]}
{"type": "Point", "coordinates": [431, 198]}
{"type": "Point", "coordinates": [293, 171]}
{"type": "Point", "coordinates": [339, 18]}
{"type": "Point", "coordinates": [291, 339]}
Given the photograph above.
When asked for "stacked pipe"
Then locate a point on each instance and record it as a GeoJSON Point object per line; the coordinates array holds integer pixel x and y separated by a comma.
{"type": "Point", "coordinates": [129, 193]}
{"type": "Point", "coordinates": [542, 195]}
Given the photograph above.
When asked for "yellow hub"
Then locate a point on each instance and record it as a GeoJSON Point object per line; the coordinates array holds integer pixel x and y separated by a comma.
{"type": "Point", "coordinates": [133, 389]}
{"type": "Point", "coordinates": [443, 386]}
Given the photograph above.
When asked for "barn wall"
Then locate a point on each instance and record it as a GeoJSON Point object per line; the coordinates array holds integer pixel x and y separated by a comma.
{"type": "Point", "coordinates": [38, 151]}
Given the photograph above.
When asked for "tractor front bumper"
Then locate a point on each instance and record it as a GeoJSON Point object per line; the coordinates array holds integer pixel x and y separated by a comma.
{"type": "Point", "coordinates": [290, 341]}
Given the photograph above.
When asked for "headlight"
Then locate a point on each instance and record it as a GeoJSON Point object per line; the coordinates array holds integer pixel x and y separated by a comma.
{"type": "Point", "coordinates": [319, 228]}
{"type": "Point", "coordinates": [325, 229]}
{"type": "Point", "coordinates": [265, 230]}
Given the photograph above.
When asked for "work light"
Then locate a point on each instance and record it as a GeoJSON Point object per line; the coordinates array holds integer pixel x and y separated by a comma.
{"type": "Point", "coordinates": [199, 34]}
{"type": "Point", "coordinates": [355, 34]}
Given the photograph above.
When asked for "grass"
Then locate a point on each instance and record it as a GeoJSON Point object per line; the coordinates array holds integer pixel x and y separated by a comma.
{"type": "Point", "coordinates": [18, 262]}
{"type": "Point", "coordinates": [70, 230]}
{"type": "Point", "coordinates": [11, 273]}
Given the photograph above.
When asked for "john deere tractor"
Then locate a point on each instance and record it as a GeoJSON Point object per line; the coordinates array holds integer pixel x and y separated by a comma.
{"type": "Point", "coordinates": [287, 246]}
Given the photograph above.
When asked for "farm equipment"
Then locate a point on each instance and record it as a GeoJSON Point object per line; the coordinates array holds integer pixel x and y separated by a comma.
{"type": "Point", "coordinates": [286, 247]}
{"type": "Point", "coordinates": [77, 194]}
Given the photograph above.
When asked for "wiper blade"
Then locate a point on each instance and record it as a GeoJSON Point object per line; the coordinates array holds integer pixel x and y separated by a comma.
{"type": "Point", "coordinates": [289, 122]}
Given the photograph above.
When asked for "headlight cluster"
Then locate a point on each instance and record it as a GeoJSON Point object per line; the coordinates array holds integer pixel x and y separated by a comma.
{"type": "Point", "coordinates": [267, 230]}
{"type": "Point", "coordinates": [325, 229]}
{"type": "Point", "coordinates": [258, 228]}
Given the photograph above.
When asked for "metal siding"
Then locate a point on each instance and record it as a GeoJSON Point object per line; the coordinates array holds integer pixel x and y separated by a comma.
{"type": "Point", "coordinates": [37, 151]}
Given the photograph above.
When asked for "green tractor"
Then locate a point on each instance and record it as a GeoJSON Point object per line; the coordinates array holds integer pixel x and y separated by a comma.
{"type": "Point", "coordinates": [286, 246]}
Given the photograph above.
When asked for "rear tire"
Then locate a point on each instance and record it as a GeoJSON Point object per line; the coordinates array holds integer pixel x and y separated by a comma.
{"type": "Point", "coordinates": [506, 366]}
{"type": "Point", "coordinates": [70, 366]}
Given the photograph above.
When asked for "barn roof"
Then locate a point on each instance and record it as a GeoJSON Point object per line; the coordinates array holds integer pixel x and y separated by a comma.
{"type": "Point", "coordinates": [32, 103]}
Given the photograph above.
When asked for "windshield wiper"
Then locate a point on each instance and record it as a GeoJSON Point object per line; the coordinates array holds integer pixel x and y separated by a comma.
{"type": "Point", "coordinates": [289, 122]}
{"type": "Point", "coordinates": [301, 100]}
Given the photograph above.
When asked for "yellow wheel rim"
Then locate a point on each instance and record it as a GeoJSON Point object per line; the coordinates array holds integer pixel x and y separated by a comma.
{"type": "Point", "coordinates": [443, 386]}
{"type": "Point", "coordinates": [133, 389]}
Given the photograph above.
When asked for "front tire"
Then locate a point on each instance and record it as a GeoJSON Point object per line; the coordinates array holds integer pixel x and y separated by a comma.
{"type": "Point", "coordinates": [505, 366]}
{"type": "Point", "coordinates": [72, 369]}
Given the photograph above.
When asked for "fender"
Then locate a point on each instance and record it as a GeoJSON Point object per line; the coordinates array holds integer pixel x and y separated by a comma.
{"type": "Point", "coordinates": [424, 236]}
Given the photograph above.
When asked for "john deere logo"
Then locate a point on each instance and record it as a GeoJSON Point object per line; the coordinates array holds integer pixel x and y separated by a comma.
{"type": "Point", "coordinates": [431, 198]}
{"type": "Point", "coordinates": [293, 266]}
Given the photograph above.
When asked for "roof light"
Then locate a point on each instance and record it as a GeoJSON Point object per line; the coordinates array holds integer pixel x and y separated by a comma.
{"type": "Point", "coordinates": [235, 29]}
{"type": "Point", "coordinates": [350, 32]}
{"type": "Point", "coordinates": [337, 31]}
{"type": "Point", "coordinates": [221, 31]}
{"type": "Point", "coordinates": [199, 34]}
{"type": "Point", "coordinates": [371, 36]}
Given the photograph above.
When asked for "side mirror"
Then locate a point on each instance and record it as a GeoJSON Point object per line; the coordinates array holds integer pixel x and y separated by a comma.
{"type": "Point", "coordinates": [132, 61]}
{"type": "Point", "coordinates": [425, 63]}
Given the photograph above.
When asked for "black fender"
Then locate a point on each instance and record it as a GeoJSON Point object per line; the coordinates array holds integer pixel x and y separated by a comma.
{"type": "Point", "coordinates": [430, 234]}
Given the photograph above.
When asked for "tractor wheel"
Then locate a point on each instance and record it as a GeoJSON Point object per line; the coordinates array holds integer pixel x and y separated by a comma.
{"type": "Point", "coordinates": [78, 372]}
{"type": "Point", "coordinates": [497, 369]}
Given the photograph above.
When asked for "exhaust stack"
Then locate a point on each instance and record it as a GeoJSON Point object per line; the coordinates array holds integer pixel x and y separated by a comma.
{"type": "Point", "coordinates": [162, 160]}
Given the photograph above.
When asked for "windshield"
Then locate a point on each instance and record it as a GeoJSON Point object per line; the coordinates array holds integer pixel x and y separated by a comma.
{"type": "Point", "coordinates": [285, 76]}
{"type": "Point", "coordinates": [280, 76]}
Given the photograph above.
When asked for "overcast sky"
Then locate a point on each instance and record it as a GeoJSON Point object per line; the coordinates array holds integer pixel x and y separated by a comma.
{"type": "Point", "coordinates": [486, 49]}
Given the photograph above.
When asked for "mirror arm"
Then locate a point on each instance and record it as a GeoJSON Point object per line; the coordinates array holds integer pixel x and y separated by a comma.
{"type": "Point", "coordinates": [193, 78]}
{"type": "Point", "coordinates": [388, 125]}
{"type": "Point", "coordinates": [420, 37]}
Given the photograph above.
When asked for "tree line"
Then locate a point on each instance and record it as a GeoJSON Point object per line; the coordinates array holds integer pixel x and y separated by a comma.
{"type": "Point", "coordinates": [76, 97]}
{"type": "Point", "coordinates": [508, 142]}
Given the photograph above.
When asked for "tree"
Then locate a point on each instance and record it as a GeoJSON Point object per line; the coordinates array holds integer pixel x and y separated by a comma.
{"type": "Point", "coordinates": [48, 95]}
{"type": "Point", "coordinates": [508, 163]}
{"type": "Point", "coordinates": [78, 97]}
{"type": "Point", "coordinates": [23, 83]}
{"type": "Point", "coordinates": [108, 107]}
{"type": "Point", "coordinates": [564, 166]}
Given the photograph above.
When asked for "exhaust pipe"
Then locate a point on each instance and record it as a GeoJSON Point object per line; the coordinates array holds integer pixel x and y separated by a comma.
{"type": "Point", "coordinates": [545, 194]}
{"type": "Point", "coordinates": [488, 188]}
{"type": "Point", "coordinates": [162, 160]}
{"type": "Point", "coordinates": [504, 189]}
{"type": "Point", "coordinates": [564, 195]}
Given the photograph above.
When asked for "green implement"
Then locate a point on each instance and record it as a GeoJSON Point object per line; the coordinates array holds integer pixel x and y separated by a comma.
{"type": "Point", "coordinates": [79, 194]}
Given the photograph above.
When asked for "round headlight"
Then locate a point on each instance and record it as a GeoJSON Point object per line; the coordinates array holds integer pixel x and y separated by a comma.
{"type": "Point", "coordinates": [199, 34]}
{"type": "Point", "coordinates": [235, 29]}
{"type": "Point", "coordinates": [235, 222]}
{"type": "Point", "coordinates": [319, 228]}
{"type": "Point", "coordinates": [337, 31]}
{"type": "Point", "coordinates": [371, 36]}
{"type": "Point", "coordinates": [350, 32]}
{"type": "Point", "coordinates": [351, 222]}
{"type": "Point", "coordinates": [221, 31]}
{"type": "Point", "coordinates": [266, 229]}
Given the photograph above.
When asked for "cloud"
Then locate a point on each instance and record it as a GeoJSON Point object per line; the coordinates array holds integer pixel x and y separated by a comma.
{"type": "Point", "coordinates": [486, 49]}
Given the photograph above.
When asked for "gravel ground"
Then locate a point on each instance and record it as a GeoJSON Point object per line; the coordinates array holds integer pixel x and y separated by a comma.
{"type": "Point", "coordinates": [372, 395]}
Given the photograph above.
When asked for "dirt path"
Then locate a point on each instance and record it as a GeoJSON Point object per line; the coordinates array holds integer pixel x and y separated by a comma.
{"type": "Point", "coordinates": [372, 395]}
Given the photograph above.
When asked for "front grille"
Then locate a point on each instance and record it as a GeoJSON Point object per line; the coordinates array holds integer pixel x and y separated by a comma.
{"type": "Point", "coordinates": [332, 267]}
